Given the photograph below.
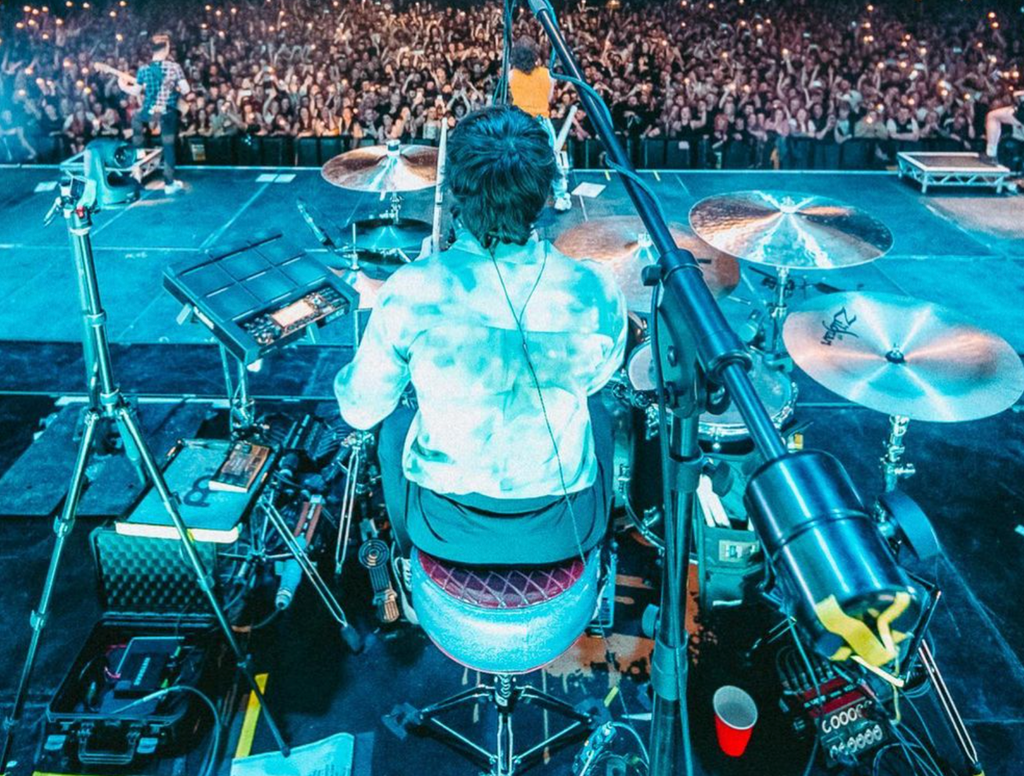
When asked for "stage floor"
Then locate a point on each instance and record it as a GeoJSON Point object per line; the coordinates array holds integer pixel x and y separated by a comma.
{"type": "Point", "coordinates": [965, 250]}
{"type": "Point", "coordinates": [961, 249]}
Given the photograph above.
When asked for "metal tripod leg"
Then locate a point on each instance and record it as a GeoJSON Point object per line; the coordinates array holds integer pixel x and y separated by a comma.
{"type": "Point", "coordinates": [62, 528]}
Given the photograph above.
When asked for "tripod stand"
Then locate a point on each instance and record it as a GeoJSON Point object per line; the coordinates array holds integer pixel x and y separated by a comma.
{"type": "Point", "coordinates": [77, 203]}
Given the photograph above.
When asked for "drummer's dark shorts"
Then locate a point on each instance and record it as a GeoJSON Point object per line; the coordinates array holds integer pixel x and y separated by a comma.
{"type": "Point", "coordinates": [474, 529]}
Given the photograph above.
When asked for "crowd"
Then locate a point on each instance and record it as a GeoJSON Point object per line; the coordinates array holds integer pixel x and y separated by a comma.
{"type": "Point", "coordinates": [746, 78]}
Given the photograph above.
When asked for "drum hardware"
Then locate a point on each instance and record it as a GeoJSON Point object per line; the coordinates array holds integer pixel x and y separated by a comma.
{"type": "Point", "coordinates": [374, 556]}
{"type": "Point", "coordinates": [777, 308]}
{"type": "Point", "coordinates": [893, 470]}
{"type": "Point", "coordinates": [297, 553]}
{"type": "Point", "coordinates": [354, 460]}
{"type": "Point", "coordinates": [242, 420]}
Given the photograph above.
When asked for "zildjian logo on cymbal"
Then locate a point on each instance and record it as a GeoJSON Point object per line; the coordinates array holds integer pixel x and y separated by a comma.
{"type": "Point", "coordinates": [838, 328]}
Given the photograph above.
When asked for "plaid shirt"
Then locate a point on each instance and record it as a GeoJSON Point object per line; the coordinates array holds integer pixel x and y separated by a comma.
{"type": "Point", "coordinates": [159, 81]}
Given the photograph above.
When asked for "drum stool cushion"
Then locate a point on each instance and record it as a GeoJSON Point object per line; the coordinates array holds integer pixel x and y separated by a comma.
{"type": "Point", "coordinates": [504, 620]}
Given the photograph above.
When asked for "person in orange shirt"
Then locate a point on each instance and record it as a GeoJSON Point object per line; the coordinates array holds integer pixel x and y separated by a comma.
{"type": "Point", "coordinates": [532, 87]}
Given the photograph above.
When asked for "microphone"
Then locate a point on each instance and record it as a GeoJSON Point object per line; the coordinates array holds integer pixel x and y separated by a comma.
{"type": "Point", "coordinates": [320, 235]}
{"type": "Point", "coordinates": [290, 571]}
{"type": "Point", "coordinates": [291, 576]}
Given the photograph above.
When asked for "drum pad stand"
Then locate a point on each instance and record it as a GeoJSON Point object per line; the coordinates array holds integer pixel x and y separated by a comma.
{"type": "Point", "coordinates": [77, 203]}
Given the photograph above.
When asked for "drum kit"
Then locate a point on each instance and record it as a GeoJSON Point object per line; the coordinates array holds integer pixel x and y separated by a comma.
{"type": "Point", "coordinates": [907, 358]}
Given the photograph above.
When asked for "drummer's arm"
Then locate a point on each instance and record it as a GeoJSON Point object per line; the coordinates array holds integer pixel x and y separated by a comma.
{"type": "Point", "coordinates": [369, 387]}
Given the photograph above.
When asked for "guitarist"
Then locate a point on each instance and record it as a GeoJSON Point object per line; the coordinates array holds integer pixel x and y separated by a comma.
{"type": "Point", "coordinates": [160, 83]}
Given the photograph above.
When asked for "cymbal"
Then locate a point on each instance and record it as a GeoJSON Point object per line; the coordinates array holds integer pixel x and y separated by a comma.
{"type": "Point", "coordinates": [621, 243]}
{"type": "Point", "coordinates": [392, 235]}
{"type": "Point", "coordinates": [383, 168]}
{"type": "Point", "coordinates": [901, 356]}
{"type": "Point", "coordinates": [795, 231]}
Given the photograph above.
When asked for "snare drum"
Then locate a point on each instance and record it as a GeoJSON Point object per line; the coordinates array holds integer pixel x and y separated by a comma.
{"type": "Point", "coordinates": [727, 434]}
{"type": "Point", "coordinates": [724, 434]}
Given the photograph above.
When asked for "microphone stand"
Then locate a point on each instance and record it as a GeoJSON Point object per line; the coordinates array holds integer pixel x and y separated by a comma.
{"type": "Point", "coordinates": [702, 348]}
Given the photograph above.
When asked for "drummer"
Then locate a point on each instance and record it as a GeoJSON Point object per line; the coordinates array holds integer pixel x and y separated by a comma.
{"type": "Point", "coordinates": [507, 342]}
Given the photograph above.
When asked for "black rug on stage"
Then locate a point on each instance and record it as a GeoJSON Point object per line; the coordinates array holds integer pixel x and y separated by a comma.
{"type": "Point", "coordinates": [317, 688]}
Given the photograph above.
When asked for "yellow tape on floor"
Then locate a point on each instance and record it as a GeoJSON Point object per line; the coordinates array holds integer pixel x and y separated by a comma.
{"type": "Point", "coordinates": [252, 716]}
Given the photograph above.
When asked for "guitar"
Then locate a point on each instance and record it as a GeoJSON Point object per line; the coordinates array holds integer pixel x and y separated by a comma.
{"type": "Point", "coordinates": [102, 67]}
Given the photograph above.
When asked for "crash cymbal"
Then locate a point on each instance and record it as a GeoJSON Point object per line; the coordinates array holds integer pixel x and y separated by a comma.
{"type": "Point", "coordinates": [390, 168]}
{"type": "Point", "coordinates": [902, 356]}
{"type": "Point", "coordinates": [622, 244]}
{"type": "Point", "coordinates": [795, 231]}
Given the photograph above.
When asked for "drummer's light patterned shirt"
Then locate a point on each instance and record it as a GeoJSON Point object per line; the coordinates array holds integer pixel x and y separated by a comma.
{"type": "Point", "coordinates": [444, 324]}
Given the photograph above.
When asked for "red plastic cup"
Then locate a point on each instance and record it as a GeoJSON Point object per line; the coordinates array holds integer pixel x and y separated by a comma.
{"type": "Point", "coordinates": [735, 717]}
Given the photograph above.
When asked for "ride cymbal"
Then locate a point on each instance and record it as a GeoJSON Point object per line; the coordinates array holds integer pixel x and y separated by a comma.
{"type": "Point", "coordinates": [794, 231]}
{"type": "Point", "coordinates": [902, 356]}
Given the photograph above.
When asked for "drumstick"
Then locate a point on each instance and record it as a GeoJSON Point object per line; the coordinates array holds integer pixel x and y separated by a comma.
{"type": "Point", "coordinates": [563, 133]}
{"type": "Point", "coordinates": [442, 148]}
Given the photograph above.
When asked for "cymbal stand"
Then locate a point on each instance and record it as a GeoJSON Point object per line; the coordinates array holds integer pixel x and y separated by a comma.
{"type": "Point", "coordinates": [241, 405]}
{"type": "Point", "coordinates": [893, 468]}
{"type": "Point", "coordinates": [778, 309]}
{"type": "Point", "coordinates": [359, 444]}
{"type": "Point", "coordinates": [77, 203]}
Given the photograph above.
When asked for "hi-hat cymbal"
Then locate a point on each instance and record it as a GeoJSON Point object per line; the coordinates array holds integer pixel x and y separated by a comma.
{"type": "Point", "coordinates": [383, 168]}
{"type": "Point", "coordinates": [902, 356]}
{"type": "Point", "coordinates": [392, 235]}
{"type": "Point", "coordinates": [794, 231]}
{"type": "Point", "coordinates": [622, 244]}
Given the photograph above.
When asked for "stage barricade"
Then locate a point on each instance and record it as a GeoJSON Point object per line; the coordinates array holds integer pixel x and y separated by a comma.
{"type": "Point", "coordinates": [942, 145]}
{"type": "Point", "coordinates": [678, 155]}
{"type": "Point", "coordinates": [857, 154]}
{"type": "Point", "coordinates": [826, 156]}
{"type": "Point", "coordinates": [656, 153]}
{"type": "Point", "coordinates": [329, 147]}
{"type": "Point", "coordinates": [222, 151]}
{"type": "Point", "coordinates": [737, 156]}
{"type": "Point", "coordinates": [652, 154]}
{"type": "Point", "coordinates": [307, 151]}
{"type": "Point", "coordinates": [800, 151]}
{"type": "Point", "coordinates": [276, 152]}
{"type": "Point", "coordinates": [192, 150]}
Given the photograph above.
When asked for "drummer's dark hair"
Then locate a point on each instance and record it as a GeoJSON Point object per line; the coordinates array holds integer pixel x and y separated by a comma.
{"type": "Point", "coordinates": [500, 170]}
{"type": "Point", "coordinates": [524, 56]}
